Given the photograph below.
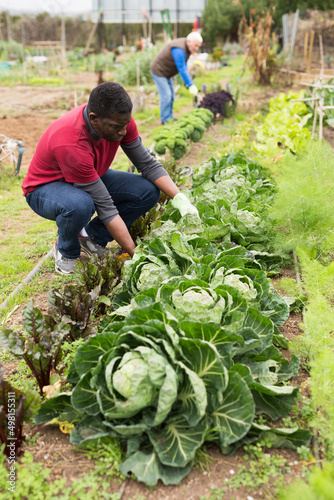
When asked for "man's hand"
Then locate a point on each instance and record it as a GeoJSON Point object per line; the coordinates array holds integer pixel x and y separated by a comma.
{"type": "Point", "coordinates": [193, 90]}
{"type": "Point", "coordinates": [183, 205]}
{"type": "Point", "coordinates": [120, 233]}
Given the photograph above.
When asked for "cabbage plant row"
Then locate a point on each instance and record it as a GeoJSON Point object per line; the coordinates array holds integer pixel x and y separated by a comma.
{"type": "Point", "coordinates": [189, 353]}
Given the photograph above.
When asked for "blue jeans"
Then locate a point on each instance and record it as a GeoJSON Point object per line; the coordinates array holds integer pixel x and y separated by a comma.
{"type": "Point", "coordinates": [165, 88]}
{"type": "Point", "coordinates": [72, 208]}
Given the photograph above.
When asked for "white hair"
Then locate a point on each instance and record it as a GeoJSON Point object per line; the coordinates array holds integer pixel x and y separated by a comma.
{"type": "Point", "coordinates": [194, 36]}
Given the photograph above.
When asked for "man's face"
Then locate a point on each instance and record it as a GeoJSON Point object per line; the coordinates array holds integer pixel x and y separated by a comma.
{"type": "Point", "coordinates": [193, 45]}
{"type": "Point", "coordinates": [113, 128]}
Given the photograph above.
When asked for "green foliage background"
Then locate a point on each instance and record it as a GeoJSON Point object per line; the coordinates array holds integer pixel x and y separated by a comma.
{"type": "Point", "coordinates": [222, 17]}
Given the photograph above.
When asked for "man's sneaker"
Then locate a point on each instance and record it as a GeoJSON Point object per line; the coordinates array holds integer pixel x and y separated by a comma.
{"type": "Point", "coordinates": [62, 264]}
{"type": "Point", "coordinates": [90, 247]}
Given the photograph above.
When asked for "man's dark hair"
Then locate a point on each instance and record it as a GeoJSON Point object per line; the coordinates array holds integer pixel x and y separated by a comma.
{"type": "Point", "coordinates": [109, 97]}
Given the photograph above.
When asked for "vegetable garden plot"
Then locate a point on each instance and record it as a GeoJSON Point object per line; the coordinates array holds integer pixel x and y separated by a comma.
{"type": "Point", "coordinates": [189, 353]}
{"type": "Point", "coordinates": [191, 126]}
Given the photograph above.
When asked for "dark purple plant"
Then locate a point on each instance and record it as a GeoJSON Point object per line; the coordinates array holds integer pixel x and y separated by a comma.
{"type": "Point", "coordinates": [216, 102]}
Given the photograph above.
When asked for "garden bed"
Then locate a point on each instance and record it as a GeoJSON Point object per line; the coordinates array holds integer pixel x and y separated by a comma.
{"type": "Point", "coordinates": [52, 448]}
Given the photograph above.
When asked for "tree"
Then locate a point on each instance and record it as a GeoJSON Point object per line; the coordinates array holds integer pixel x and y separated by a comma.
{"type": "Point", "coordinates": [221, 18]}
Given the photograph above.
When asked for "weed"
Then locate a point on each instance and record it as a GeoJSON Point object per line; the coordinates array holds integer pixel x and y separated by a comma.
{"type": "Point", "coordinates": [21, 379]}
{"type": "Point", "coordinates": [68, 350]}
{"type": "Point", "coordinates": [214, 494]}
{"type": "Point", "coordinates": [262, 420]}
{"type": "Point", "coordinates": [303, 411]}
{"type": "Point", "coordinates": [203, 460]}
{"type": "Point", "coordinates": [33, 480]}
{"type": "Point", "coordinates": [261, 469]}
{"type": "Point", "coordinates": [287, 421]}
{"type": "Point", "coordinates": [304, 453]}
{"type": "Point", "coordinates": [288, 285]}
{"type": "Point", "coordinates": [107, 457]}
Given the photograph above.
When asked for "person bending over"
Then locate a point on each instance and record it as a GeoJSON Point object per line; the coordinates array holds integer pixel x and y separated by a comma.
{"type": "Point", "coordinates": [69, 177]}
{"type": "Point", "coordinates": [172, 60]}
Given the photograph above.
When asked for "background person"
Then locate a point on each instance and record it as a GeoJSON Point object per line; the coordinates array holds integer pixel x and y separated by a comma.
{"type": "Point", "coordinates": [172, 59]}
{"type": "Point", "coordinates": [69, 177]}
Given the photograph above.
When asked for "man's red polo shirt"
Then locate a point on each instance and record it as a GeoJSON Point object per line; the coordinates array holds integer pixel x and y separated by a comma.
{"type": "Point", "coordinates": [68, 152]}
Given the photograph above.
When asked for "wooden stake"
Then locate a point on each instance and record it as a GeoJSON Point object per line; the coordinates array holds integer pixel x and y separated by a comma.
{"type": "Point", "coordinates": [321, 113]}
{"type": "Point", "coordinates": [316, 85]}
{"type": "Point", "coordinates": [322, 98]}
{"type": "Point", "coordinates": [313, 96]}
{"type": "Point", "coordinates": [321, 57]}
{"type": "Point", "coordinates": [315, 119]}
{"type": "Point", "coordinates": [306, 46]}
{"type": "Point", "coordinates": [310, 52]}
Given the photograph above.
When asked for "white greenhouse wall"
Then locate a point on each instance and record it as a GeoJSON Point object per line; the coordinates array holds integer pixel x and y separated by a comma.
{"type": "Point", "coordinates": [131, 11]}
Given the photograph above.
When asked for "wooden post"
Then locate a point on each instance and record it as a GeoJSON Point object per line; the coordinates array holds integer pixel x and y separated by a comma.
{"type": "Point", "coordinates": [314, 93]}
{"type": "Point", "coordinates": [63, 42]}
{"type": "Point", "coordinates": [150, 29]}
{"type": "Point", "coordinates": [322, 98]}
{"type": "Point", "coordinates": [315, 119]}
{"type": "Point", "coordinates": [310, 52]}
{"type": "Point", "coordinates": [90, 37]}
{"type": "Point", "coordinates": [9, 31]}
{"type": "Point", "coordinates": [321, 113]}
{"type": "Point", "coordinates": [1, 35]}
{"type": "Point", "coordinates": [144, 27]}
{"type": "Point", "coordinates": [305, 46]}
{"type": "Point", "coordinates": [313, 96]}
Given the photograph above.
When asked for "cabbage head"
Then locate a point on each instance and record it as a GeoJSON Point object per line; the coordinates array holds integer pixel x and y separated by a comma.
{"type": "Point", "coordinates": [243, 284]}
{"type": "Point", "coordinates": [152, 275]}
{"type": "Point", "coordinates": [199, 304]}
{"type": "Point", "coordinates": [137, 380]}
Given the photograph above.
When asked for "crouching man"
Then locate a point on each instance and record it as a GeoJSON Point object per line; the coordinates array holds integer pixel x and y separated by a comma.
{"type": "Point", "coordinates": [69, 177]}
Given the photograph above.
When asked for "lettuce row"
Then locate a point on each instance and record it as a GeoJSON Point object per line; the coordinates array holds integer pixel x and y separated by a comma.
{"type": "Point", "coordinates": [188, 353]}
{"type": "Point", "coordinates": [284, 127]}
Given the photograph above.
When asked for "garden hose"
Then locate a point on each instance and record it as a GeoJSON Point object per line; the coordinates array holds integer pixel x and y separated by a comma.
{"type": "Point", "coordinates": [27, 279]}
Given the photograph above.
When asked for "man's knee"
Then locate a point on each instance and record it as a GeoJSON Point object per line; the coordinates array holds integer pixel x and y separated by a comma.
{"type": "Point", "coordinates": [154, 193]}
{"type": "Point", "coordinates": [85, 211]}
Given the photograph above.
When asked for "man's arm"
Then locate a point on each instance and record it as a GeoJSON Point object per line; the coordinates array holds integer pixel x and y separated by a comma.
{"type": "Point", "coordinates": [120, 233]}
{"type": "Point", "coordinates": [179, 57]}
{"type": "Point", "coordinates": [167, 186]}
{"type": "Point", "coordinates": [139, 156]}
{"type": "Point", "coordinates": [149, 167]}
{"type": "Point", "coordinates": [146, 164]}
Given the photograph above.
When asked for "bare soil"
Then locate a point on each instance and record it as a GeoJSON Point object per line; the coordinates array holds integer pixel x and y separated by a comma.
{"type": "Point", "coordinates": [27, 112]}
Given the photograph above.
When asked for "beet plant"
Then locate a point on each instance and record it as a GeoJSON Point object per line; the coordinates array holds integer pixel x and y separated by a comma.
{"type": "Point", "coordinates": [16, 408]}
{"type": "Point", "coordinates": [39, 345]}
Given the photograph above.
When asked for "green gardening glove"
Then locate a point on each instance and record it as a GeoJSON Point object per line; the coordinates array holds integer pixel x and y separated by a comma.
{"type": "Point", "coordinates": [183, 205]}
